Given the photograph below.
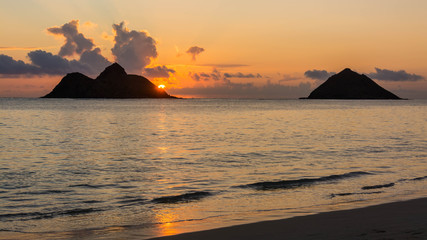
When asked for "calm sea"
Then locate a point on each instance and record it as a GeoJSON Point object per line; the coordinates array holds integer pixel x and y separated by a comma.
{"type": "Point", "coordinates": [108, 169]}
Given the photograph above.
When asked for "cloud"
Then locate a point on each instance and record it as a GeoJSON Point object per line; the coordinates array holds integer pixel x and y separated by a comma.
{"type": "Point", "coordinates": [241, 75]}
{"type": "Point", "coordinates": [389, 75]}
{"type": "Point", "coordinates": [134, 50]}
{"type": "Point", "coordinates": [228, 89]}
{"type": "Point", "coordinates": [225, 88]}
{"type": "Point", "coordinates": [43, 63]}
{"type": "Point", "coordinates": [158, 72]}
{"type": "Point", "coordinates": [318, 74]}
{"type": "Point", "coordinates": [54, 64]}
{"type": "Point", "coordinates": [10, 66]}
{"type": "Point", "coordinates": [94, 60]}
{"type": "Point", "coordinates": [75, 42]}
{"type": "Point", "coordinates": [91, 61]}
{"type": "Point", "coordinates": [215, 75]}
{"type": "Point", "coordinates": [194, 51]}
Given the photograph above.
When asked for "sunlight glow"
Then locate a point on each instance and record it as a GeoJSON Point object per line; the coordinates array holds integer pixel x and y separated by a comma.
{"type": "Point", "coordinates": [161, 86]}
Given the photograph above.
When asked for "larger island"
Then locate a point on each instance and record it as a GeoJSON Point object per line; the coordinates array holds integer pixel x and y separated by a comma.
{"type": "Point", "coordinates": [113, 82]}
{"type": "Point", "coordinates": [350, 85]}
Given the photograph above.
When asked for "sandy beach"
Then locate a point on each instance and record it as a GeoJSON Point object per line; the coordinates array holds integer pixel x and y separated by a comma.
{"type": "Point", "coordinates": [398, 220]}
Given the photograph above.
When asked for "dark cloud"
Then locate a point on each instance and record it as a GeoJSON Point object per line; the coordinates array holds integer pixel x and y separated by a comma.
{"type": "Point", "coordinates": [318, 74]}
{"type": "Point", "coordinates": [389, 75]}
{"type": "Point", "coordinates": [133, 49]}
{"type": "Point", "coordinates": [229, 89]}
{"type": "Point", "coordinates": [225, 88]}
{"type": "Point", "coordinates": [215, 75]}
{"type": "Point", "coordinates": [45, 63]}
{"type": "Point", "coordinates": [195, 76]}
{"type": "Point", "coordinates": [10, 66]}
{"type": "Point", "coordinates": [94, 60]}
{"type": "Point", "coordinates": [55, 64]}
{"type": "Point", "coordinates": [158, 72]}
{"type": "Point", "coordinates": [241, 75]}
{"type": "Point", "coordinates": [75, 42]}
{"type": "Point", "coordinates": [194, 51]}
{"type": "Point", "coordinates": [91, 61]}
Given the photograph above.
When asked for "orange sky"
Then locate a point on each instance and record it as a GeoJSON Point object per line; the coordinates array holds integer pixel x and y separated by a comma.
{"type": "Point", "coordinates": [250, 48]}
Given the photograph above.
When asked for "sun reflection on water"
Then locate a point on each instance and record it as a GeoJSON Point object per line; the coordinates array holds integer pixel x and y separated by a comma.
{"type": "Point", "coordinates": [167, 223]}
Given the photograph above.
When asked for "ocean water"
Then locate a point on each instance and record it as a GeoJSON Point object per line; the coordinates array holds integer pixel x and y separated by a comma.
{"type": "Point", "coordinates": [108, 169]}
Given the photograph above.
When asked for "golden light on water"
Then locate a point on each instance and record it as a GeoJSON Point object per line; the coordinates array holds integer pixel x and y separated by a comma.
{"type": "Point", "coordinates": [167, 223]}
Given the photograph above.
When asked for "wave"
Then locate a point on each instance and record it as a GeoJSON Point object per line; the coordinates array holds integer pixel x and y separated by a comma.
{"type": "Point", "coordinates": [355, 193]}
{"type": "Point", "coordinates": [128, 201]}
{"type": "Point", "coordinates": [288, 184]}
{"type": "Point", "coordinates": [187, 197]}
{"type": "Point", "coordinates": [93, 186]}
{"type": "Point", "coordinates": [413, 179]}
{"type": "Point", "coordinates": [43, 192]}
{"type": "Point", "coordinates": [45, 215]}
{"type": "Point", "coordinates": [378, 186]}
{"type": "Point", "coordinates": [419, 178]}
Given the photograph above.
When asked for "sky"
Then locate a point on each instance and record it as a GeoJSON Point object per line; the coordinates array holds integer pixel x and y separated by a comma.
{"type": "Point", "coordinates": [216, 48]}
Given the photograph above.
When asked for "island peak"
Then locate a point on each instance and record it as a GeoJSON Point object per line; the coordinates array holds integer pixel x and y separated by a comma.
{"type": "Point", "coordinates": [348, 84]}
{"type": "Point", "coordinates": [113, 82]}
{"type": "Point", "coordinates": [113, 71]}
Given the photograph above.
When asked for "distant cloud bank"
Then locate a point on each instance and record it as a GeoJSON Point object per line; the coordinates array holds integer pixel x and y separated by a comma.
{"type": "Point", "coordinates": [158, 72]}
{"type": "Point", "coordinates": [318, 74]}
{"type": "Point", "coordinates": [390, 75]}
{"type": "Point", "coordinates": [227, 89]}
{"type": "Point", "coordinates": [379, 74]}
{"type": "Point", "coordinates": [216, 75]}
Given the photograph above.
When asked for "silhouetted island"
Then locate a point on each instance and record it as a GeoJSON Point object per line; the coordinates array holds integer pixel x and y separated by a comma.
{"type": "Point", "coordinates": [113, 82]}
{"type": "Point", "coordinates": [350, 85]}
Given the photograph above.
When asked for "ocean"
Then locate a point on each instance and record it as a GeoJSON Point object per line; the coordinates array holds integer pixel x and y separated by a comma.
{"type": "Point", "coordinates": [140, 168]}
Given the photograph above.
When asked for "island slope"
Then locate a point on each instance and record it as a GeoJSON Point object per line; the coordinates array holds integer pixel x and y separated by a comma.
{"type": "Point", "coordinates": [113, 82]}
{"type": "Point", "coordinates": [350, 85]}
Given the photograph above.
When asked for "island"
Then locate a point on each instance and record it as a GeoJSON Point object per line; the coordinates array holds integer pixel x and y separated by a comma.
{"type": "Point", "coordinates": [113, 82]}
{"type": "Point", "coordinates": [350, 85]}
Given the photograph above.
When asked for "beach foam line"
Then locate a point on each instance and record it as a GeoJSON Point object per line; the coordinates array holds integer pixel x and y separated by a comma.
{"type": "Point", "coordinates": [398, 220]}
{"type": "Point", "coordinates": [287, 184]}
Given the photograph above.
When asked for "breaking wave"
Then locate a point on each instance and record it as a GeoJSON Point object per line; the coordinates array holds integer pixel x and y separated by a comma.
{"type": "Point", "coordinates": [303, 182]}
{"type": "Point", "coordinates": [378, 186]}
{"type": "Point", "coordinates": [187, 197]}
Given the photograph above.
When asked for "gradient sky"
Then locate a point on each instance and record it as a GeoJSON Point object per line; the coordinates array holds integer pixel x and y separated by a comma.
{"type": "Point", "coordinates": [277, 49]}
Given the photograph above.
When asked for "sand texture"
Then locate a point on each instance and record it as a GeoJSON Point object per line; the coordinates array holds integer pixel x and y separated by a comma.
{"type": "Point", "coordinates": [399, 220]}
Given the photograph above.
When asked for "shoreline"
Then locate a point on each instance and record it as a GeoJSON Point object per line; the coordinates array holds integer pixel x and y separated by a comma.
{"type": "Point", "coordinates": [396, 220]}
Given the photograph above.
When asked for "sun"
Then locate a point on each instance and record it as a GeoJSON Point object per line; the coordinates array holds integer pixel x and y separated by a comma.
{"type": "Point", "coordinates": [161, 86]}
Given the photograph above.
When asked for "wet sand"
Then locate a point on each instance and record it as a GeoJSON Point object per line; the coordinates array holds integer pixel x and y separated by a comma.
{"type": "Point", "coordinates": [398, 220]}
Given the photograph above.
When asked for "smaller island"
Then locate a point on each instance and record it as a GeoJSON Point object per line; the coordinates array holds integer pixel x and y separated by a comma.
{"type": "Point", "coordinates": [350, 85]}
{"type": "Point", "coordinates": [113, 82]}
